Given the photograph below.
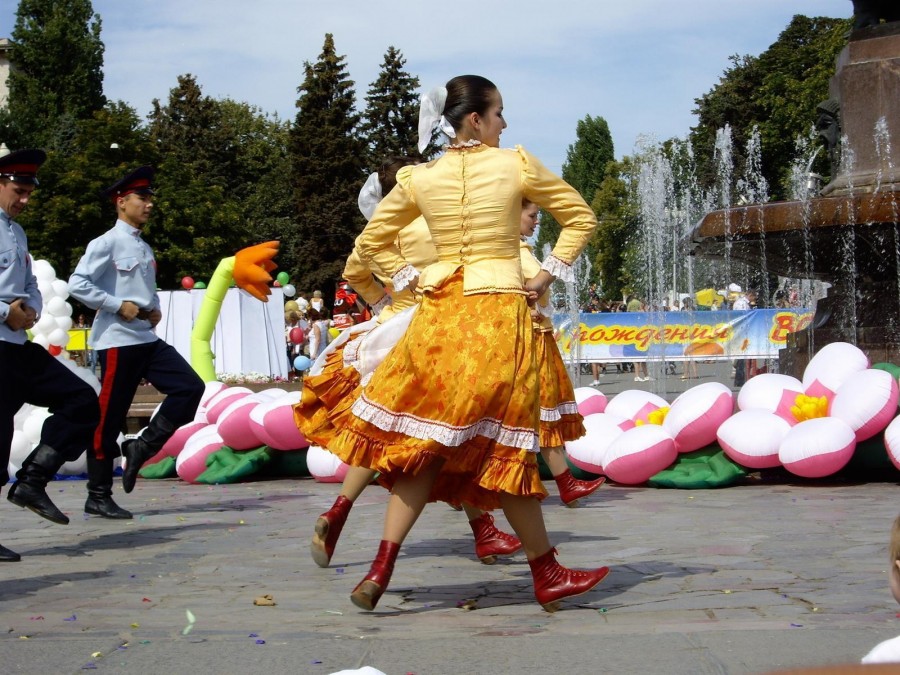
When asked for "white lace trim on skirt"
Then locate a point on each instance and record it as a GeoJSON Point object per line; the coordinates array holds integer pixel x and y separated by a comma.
{"type": "Point", "coordinates": [555, 414]}
{"type": "Point", "coordinates": [445, 434]}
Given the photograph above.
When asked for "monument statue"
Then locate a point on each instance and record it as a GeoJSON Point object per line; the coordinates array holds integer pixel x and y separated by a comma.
{"type": "Point", "coordinates": [870, 12]}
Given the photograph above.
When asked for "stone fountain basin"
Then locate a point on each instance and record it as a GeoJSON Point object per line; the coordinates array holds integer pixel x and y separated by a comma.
{"type": "Point", "coordinates": [808, 239]}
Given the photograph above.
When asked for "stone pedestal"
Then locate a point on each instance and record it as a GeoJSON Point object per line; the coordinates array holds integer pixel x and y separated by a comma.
{"type": "Point", "coordinates": [867, 85]}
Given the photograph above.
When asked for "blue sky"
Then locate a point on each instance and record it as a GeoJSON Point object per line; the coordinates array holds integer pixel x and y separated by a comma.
{"type": "Point", "coordinates": [639, 64]}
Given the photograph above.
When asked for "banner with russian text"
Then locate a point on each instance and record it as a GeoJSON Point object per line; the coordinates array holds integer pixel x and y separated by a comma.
{"type": "Point", "coordinates": [679, 336]}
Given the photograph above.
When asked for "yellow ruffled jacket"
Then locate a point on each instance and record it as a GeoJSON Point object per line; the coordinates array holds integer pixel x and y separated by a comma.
{"type": "Point", "coordinates": [470, 227]}
{"type": "Point", "coordinates": [416, 247]}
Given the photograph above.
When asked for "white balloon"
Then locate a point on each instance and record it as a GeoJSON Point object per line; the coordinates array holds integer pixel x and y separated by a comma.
{"type": "Point", "coordinates": [34, 424]}
{"type": "Point", "coordinates": [288, 290]}
{"type": "Point", "coordinates": [45, 325]}
{"type": "Point", "coordinates": [43, 270]}
{"type": "Point", "coordinates": [60, 288]}
{"type": "Point", "coordinates": [22, 415]}
{"type": "Point", "coordinates": [75, 467]}
{"type": "Point", "coordinates": [58, 337]}
{"type": "Point", "coordinates": [56, 306]}
{"type": "Point", "coordinates": [45, 288]}
{"type": "Point", "coordinates": [64, 322]}
{"type": "Point", "coordinates": [41, 339]}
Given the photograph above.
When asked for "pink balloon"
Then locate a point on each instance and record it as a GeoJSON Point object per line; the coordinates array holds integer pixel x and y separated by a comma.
{"type": "Point", "coordinates": [296, 335]}
{"type": "Point", "coordinates": [192, 460]}
{"type": "Point", "coordinates": [222, 400]}
{"type": "Point", "coordinates": [273, 423]}
{"type": "Point", "coordinates": [176, 442]}
{"type": "Point", "coordinates": [234, 424]}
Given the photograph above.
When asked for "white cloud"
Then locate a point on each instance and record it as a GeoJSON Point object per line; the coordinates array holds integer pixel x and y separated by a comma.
{"type": "Point", "coordinates": [639, 64]}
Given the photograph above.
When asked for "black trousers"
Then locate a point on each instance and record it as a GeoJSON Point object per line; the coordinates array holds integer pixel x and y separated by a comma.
{"type": "Point", "coordinates": [30, 375]}
{"type": "Point", "coordinates": [121, 372]}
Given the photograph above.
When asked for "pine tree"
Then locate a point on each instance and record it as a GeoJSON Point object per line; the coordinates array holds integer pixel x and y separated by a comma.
{"type": "Point", "coordinates": [67, 211]}
{"type": "Point", "coordinates": [196, 221]}
{"type": "Point", "coordinates": [584, 169]}
{"type": "Point", "coordinates": [390, 121]}
{"type": "Point", "coordinates": [587, 157]}
{"type": "Point", "coordinates": [57, 78]}
{"type": "Point", "coordinates": [327, 171]}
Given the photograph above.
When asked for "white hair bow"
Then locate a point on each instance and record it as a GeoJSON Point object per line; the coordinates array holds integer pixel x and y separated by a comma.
{"type": "Point", "coordinates": [431, 117]}
{"type": "Point", "coordinates": [370, 195]}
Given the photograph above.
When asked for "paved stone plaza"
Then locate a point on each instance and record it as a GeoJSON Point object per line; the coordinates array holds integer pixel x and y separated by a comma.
{"type": "Point", "coordinates": [748, 579]}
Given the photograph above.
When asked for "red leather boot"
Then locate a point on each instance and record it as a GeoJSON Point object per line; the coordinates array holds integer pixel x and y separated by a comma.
{"type": "Point", "coordinates": [571, 489]}
{"type": "Point", "coordinates": [328, 529]}
{"type": "Point", "coordinates": [553, 582]}
{"type": "Point", "coordinates": [491, 542]}
{"type": "Point", "coordinates": [369, 590]}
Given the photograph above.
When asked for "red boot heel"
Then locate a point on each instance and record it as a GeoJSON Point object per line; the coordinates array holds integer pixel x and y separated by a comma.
{"type": "Point", "coordinates": [572, 489]}
{"type": "Point", "coordinates": [491, 542]}
{"type": "Point", "coordinates": [328, 530]}
{"type": "Point", "coordinates": [554, 583]}
{"type": "Point", "coordinates": [370, 589]}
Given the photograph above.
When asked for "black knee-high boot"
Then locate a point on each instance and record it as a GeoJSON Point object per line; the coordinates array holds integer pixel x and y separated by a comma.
{"type": "Point", "coordinates": [30, 489]}
{"type": "Point", "coordinates": [139, 450]}
{"type": "Point", "coordinates": [100, 479]}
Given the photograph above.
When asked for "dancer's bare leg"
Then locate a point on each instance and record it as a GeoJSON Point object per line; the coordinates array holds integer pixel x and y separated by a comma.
{"type": "Point", "coordinates": [407, 501]}
{"type": "Point", "coordinates": [555, 458]}
{"type": "Point", "coordinates": [357, 479]}
{"type": "Point", "coordinates": [526, 518]}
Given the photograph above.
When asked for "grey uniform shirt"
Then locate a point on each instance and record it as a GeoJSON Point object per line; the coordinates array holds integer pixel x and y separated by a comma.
{"type": "Point", "coordinates": [16, 277]}
{"type": "Point", "coordinates": [117, 266]}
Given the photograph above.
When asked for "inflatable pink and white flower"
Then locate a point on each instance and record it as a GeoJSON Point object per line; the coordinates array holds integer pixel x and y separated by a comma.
{"type": "Point", "coordinates": [811, 427]}
{"type": "Point", "coordinates": [639, 434]}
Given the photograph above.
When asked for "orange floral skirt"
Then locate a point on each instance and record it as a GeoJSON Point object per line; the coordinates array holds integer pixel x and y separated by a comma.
{"type": "Point", "coordinates": [461, 386]}
{"type": "Point", "coordinates": [328, 396]}
{"type": "Point", "coordinates": [560, 419]}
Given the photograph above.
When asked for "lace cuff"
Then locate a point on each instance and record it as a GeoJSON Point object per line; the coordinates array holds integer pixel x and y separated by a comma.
{"type": "Point", "coordinates": [559, 269]}
{"type": "Point", "coordinates": [381, 304]}
{"type": "Point", "coordinates": [402, 278]}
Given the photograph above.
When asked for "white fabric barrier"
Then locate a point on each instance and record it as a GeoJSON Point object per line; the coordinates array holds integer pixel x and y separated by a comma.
{"type": "Point", "coordinates": [249, 334]}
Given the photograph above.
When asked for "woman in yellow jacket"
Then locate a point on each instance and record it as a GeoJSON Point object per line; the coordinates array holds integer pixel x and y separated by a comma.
{"type": "Point", "coordinates": [560, 419]}
{"type": "Point", "coordinates": [329, 392]}
{"type": "Point", "coordinates": [452, 412]}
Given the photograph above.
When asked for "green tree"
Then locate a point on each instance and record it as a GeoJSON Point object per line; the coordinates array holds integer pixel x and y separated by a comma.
{"type": "Point", "coordinates": [615, 258]}
{"type": "Point", "coordinates": [390, 120]}
{"type": "Point", "coordinates": [57, 78]}
{"type": "Point", "coordinates": [730, 102]}
{"type": "Point", "coordinates": [259, 182]}
{"type": "Point", "coordinates": [195, 222]}
{"type": "Point", "coordinates": [67, 210]}
{"type": "Point", "coordinates": [584, 168]}
{"type": "Point", "coordinates": [327, 170]}
{"type": "Point", "coordinates": [797, 69]}
{"type": "Point", "coordinates": [588, 157]}
{"type": "Point", "coordinates": [778, 91]}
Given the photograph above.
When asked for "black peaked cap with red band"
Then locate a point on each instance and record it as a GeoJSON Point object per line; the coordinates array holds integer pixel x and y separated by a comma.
{"type": "Point", "coordinates": [140, 181]}
{"type": "Point", "coordinates": [21, 166]}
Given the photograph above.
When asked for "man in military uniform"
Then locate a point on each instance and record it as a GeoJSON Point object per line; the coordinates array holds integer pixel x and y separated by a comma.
{"type": "Point", "coordinates": [30, 374]}
{"type": "Point", "coordinates": [117, 277]}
